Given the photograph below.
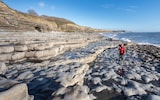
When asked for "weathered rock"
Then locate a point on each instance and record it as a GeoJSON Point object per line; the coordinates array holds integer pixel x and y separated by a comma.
{"type": "Point", "coordinates": [20, 48]}
{"type": "Point", "coordinates": [18, 55]}
{"type": "Point", "coordinates": [6, 83]}
{"type": "Point", "coordinates": [62, 73]}
{"type": "Point", "coordinates": [5, 57]}
{"type": "Point", "coordinates": [72, 93]}
{"type": "Point", "coordinates": [3, 68]}
{"type": "Point", "coordinates": [74, 75]}
{"type": "Point", "coordinates": [153, 97]}
{"type": "Point", "coordinates": [25, 75]}
{"type": "Point", "coordinates": [6, 49]}
{"type": "Point", "coordinates": [17, 92]}
{"type": "Point", "coordinates": [40, 46]}
{"type": "Point", "coordinates": [30, 54]}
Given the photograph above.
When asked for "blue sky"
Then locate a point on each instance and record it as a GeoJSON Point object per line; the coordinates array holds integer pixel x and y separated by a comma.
{"type": "Point", "coordinates": [130, 15]}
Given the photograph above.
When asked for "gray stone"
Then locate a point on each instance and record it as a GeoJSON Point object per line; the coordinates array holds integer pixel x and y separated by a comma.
{"type": "Point", "coordinates": [5, 57]}
{"type": "Point", "coordinates": [20, 48]}
{"type": "Point", "coordinates": [18, 55]}
{"type": "Point", "coordinates": [25, 75]}
{"type": "Point", "coordinates": [17, 92]}
{"type": "Point", "coordinates": [73, 76]}
{"type": "Point", "coordinates": [7, 49]}
{"type": "Point", "coordinates": [73, 93]}
{"type": "Point", "coordinates": [3, 68]}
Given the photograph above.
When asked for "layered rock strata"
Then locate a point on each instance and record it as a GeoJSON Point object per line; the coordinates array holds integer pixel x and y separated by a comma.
{"type": "Point", "coordinates": [13, 90]}
{"type": "Point", "coordinates": [62, 75]}
{"type": "Point", "coordinates": [90, 72]}
{"type": "Point", "coordinates": [26, 46]}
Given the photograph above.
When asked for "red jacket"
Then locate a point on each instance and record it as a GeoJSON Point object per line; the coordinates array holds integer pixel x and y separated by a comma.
{"type": "Point", "coordinates": [122, 50]}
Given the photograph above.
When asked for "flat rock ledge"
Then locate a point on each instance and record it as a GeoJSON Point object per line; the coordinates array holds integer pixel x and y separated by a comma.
{"type": "Point", "coordinates": [76, 66]}
{"type": "Point", "coordinates": [16, 47]}
{"type": "Point", "coordinates": [13, 90]}
{"type": "Point", "coordinates": [47, 66]}
{"type": "Point", "coordinates": [141, 74]}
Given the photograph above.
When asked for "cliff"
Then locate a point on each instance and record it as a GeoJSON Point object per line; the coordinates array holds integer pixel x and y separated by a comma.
{"type": "Point", "coordinates": [12, 20]}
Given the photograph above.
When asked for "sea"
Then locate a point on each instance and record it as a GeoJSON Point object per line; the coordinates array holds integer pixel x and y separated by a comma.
{"type": "Point", "coordinates": [147, 38]}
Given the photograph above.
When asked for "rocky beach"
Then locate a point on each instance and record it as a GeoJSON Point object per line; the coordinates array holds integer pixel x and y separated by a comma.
{"type": "Point", "coordinates": [52, 58]}
{"type": "Point", "coordinates": [75, 66]}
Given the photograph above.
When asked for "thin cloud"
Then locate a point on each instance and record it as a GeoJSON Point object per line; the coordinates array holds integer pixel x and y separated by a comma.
{"type": "Point", "coordinates": [44, 5]}
{"type": "Point", "coordinates": [52, 7]}
{"type": "Point", "coordinates": [31, 7]}
{"type": "Point", "coordinates": [41, 4]}
{"type": "Point", "coordinates": [133, 7]}
{"type": "Point", "coordinates": [127, 9]}
{"type": "Point", "coordinates": [108, 6]}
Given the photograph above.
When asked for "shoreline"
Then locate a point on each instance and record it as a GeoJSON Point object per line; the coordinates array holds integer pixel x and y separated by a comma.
{"type": "Point", "coordinates": [85, 71]}
{"type": "Point", "coordinates": [115, 36]}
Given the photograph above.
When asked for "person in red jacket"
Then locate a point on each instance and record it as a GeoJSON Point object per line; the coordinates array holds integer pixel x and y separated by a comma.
{"type": "Point", "coordinates": [122, 51]}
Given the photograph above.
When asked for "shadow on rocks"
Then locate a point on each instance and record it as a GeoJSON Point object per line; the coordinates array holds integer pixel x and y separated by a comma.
{"type": "Point", "coordinates": [42, 88]}
{"type": "Point", "coordinates": [109, 95]}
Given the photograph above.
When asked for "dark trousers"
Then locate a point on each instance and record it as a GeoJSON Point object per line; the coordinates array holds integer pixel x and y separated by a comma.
{"type": "Point", "coordinates": [121, 57]}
